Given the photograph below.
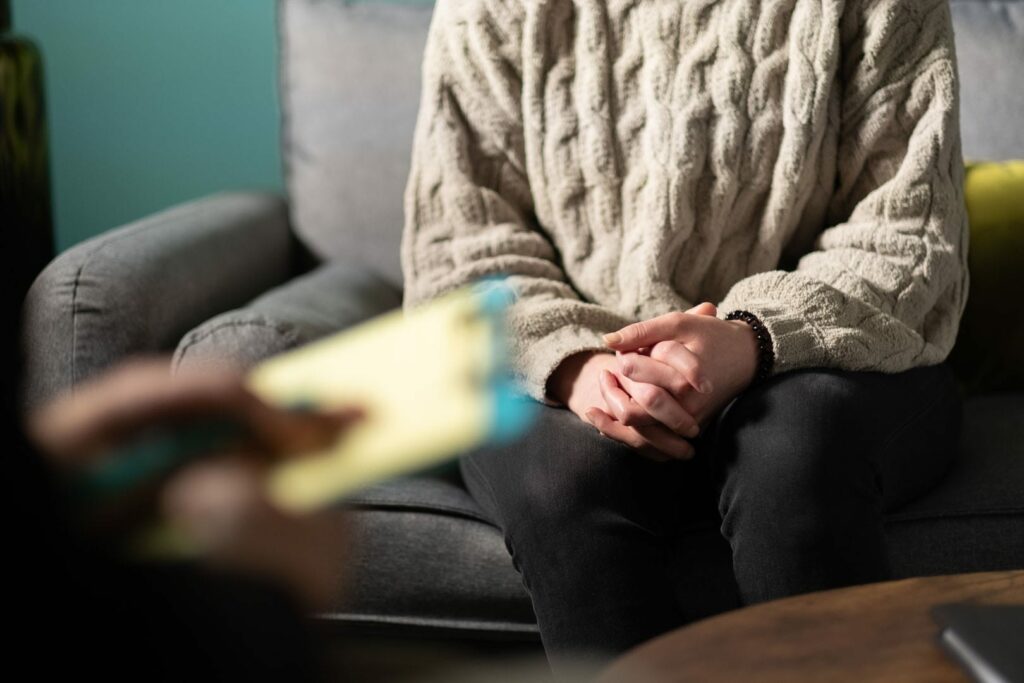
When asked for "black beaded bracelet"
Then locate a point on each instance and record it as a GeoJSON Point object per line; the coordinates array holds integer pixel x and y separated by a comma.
{"type": "Point", "coordinates": [766, 350]}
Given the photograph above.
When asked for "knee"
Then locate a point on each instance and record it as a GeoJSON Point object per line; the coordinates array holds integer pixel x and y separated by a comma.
{"type": "Point", "coordinates": [803, 461]}
{"type": "Point", "coordinates": [560, 484]}
{"type": "Point", "coordinates": [563, 485]}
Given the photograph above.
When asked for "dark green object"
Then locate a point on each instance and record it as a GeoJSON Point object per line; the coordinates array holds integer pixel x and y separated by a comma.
{"type": "Point", "coordinates": [25, 198]}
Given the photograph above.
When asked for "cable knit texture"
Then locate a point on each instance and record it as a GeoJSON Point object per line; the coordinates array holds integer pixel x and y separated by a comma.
{"type": "Point", "coordinates": [620, 159]}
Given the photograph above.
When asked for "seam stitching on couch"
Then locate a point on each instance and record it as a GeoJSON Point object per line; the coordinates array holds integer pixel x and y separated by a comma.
{"type": "Point", "coordinates": [86, 261]}
{"type": "Point", "coordinates": [446, 510]}
{"type": "Point", "coordinates": [175, 214]}
{"type": "Point", "coordinates": [284, 329]}
{"type": "Point", "coordinates": [958, 514]}
{"type": "Point", "coordinates": [378, 619]}
{"type": "Point", "coordinates": [74, 324]}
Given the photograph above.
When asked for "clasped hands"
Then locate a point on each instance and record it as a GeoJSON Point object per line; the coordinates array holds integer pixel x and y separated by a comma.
{"type": "Point", "coordinates": [668, 376]}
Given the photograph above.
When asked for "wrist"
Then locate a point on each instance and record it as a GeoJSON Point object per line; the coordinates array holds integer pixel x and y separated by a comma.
{"type": "Point", "coordinates": [563, 380]}
{"type": "Point", "coordinates": [749, 354]}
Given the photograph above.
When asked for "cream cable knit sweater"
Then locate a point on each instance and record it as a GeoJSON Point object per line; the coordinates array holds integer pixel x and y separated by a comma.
{"type": "Point", "coordinates": [620, 159]}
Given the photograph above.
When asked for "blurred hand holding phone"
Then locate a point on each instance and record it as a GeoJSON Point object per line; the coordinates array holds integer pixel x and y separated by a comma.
{"type": "Point", "coordinates": [430, 384]}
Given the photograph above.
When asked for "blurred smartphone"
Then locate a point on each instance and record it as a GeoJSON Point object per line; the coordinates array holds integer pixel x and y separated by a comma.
{"type": "Point", "coordinates": [433, 383]}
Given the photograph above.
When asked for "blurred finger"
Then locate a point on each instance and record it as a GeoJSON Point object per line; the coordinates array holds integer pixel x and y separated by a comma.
{"type": "Point", "coordinates": [212, 498]}
{"type": "Point", "coordinates": [222, 505]}
{"type": "Point", "coordinates": [142, 394]}
{"type": "Point", "coordinates": [138, 394]}
{"type": "Point", "coordinates": [288, 432]}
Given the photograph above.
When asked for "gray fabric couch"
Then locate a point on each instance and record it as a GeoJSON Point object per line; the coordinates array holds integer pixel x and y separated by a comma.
{"type": "Point", "coordinates": [249, 274]}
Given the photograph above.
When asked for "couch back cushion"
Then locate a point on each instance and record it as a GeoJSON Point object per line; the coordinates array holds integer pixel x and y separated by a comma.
{"type": "Point", "coordinates": [350, 89]}
{"type": "Point", "coordinates": [350, 85]}
{"type": "Point", "coordinates": [990, 55]}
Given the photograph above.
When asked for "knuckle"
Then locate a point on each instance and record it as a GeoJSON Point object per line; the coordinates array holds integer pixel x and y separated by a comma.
{"type": "Point", "coordinates": [694, 365]}
{"type": "Point", "coordinates": [693, 372]}
{"type": "Point", "coordinates": [632, 418]}
{"type": "Point", "coordinates": [659, 351]}
{"type": "Point", "coordinates": [681, 426]}
{"type": "Point", "coordinates": [634, 439]}
{"type": "Point", "coordinates": [649, 396]}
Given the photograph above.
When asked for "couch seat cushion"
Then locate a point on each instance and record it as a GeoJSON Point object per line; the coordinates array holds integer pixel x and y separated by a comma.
{"type": "Point", "coordinates": [424, 558]}
{"type": "Point", "coordinates": [974, 519]}
{"type": "Point", "coordinates": [328, 299]}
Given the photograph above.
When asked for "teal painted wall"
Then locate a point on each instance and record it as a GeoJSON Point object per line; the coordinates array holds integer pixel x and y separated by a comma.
{"type": "Point", "coordinates": [154, 102]}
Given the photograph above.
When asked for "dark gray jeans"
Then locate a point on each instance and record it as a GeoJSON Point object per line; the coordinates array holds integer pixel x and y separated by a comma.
{"type": "Point", "coordinates": [797, 472]}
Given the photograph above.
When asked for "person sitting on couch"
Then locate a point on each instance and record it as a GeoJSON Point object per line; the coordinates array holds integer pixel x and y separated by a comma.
{"type": "Point", "coordinates": [799, 163]}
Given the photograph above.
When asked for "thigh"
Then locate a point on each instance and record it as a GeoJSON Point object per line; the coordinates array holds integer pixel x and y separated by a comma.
{"type": "Point", "coordinates": [565, 470]}
{"type": "Point", "coordinates": [893, 435]}
{"type": "Point", "coordinates": [585, 520]}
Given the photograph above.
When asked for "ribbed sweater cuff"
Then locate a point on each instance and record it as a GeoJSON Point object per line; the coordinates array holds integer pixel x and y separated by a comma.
{"type": "Point", "coordinates": [787, 308]}
{"type": "Point", "coordinates": [542, 339]}
{"type": "Point", "coordinates": [549, 352]}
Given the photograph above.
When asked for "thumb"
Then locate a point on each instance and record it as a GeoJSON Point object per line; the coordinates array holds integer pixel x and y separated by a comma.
{"type": "Point", "coordinates": [703, 308]}
{"type": "Point", "coordinates": [645, 332]}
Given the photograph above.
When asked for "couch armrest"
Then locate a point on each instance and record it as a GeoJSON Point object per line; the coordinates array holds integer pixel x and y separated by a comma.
{"type": "Point", "coordinates": [139, 288]}
{"type": "Point", "coordinates": [332, 297]}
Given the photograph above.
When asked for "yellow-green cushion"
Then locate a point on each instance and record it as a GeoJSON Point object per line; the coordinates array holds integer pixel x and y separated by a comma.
{"type": "Point", "coordinates": [989, 351]}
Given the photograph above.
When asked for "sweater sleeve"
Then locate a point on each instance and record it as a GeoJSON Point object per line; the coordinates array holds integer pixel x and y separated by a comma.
{"type": "Point", "coordinates": [469, 210]}
{"type": "Point", "coordinates": [884, 287]}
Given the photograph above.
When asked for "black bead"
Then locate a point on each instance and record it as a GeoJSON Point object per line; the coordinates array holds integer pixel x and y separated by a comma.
{"type": "Point", "coordinates": [766, 350]}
